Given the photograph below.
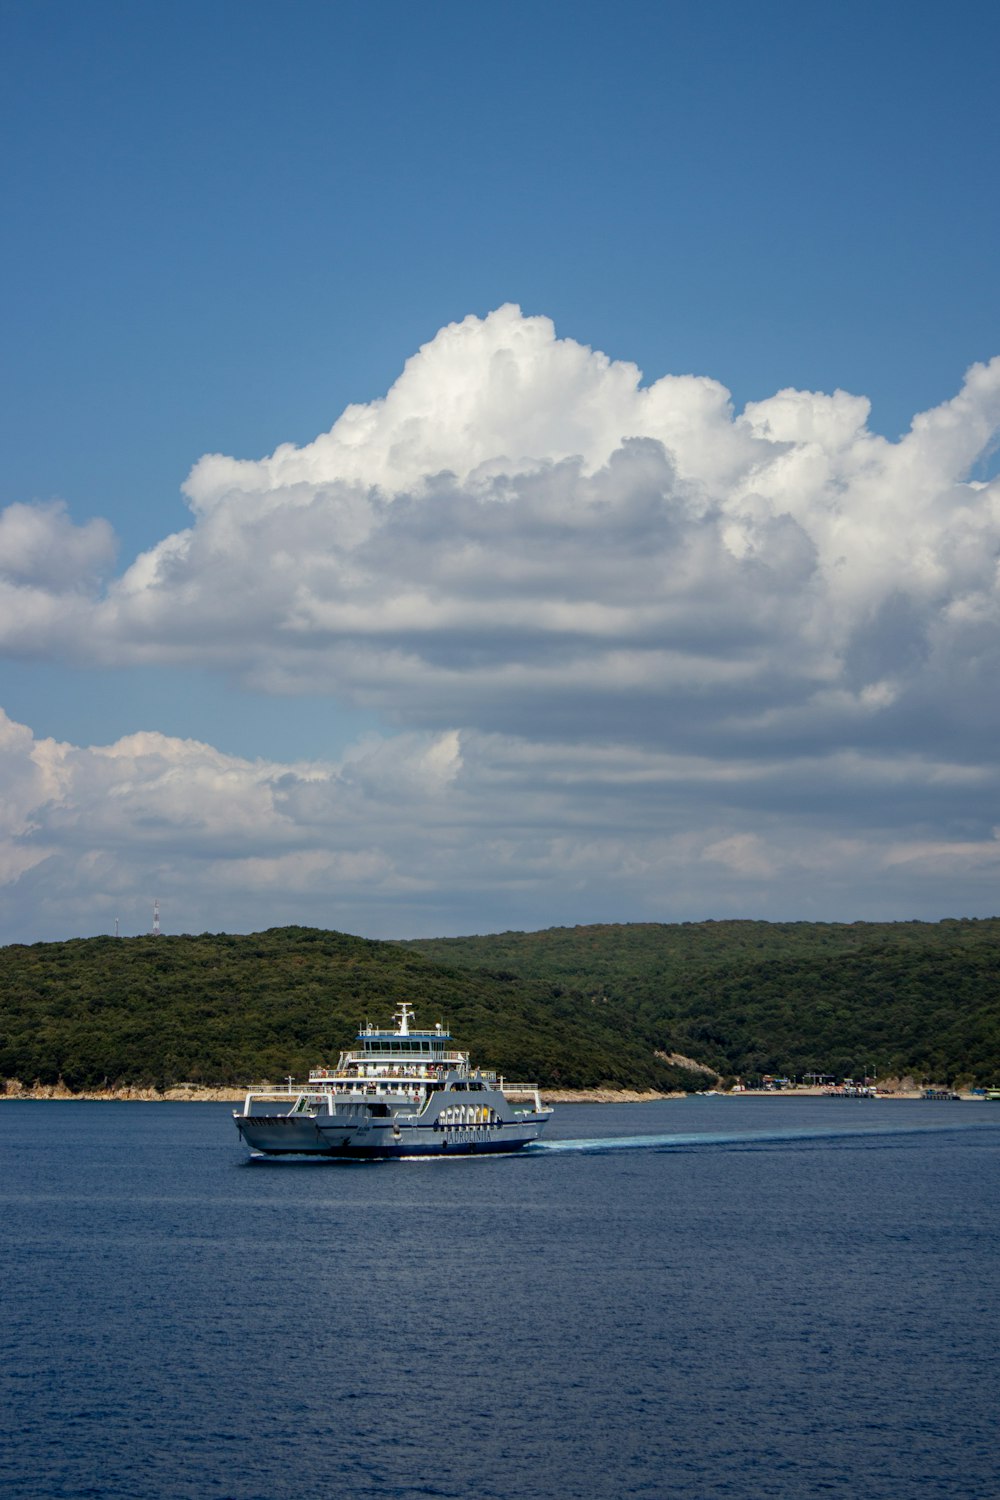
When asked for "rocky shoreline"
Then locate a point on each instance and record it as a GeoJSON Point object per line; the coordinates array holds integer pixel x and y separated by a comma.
{"type": "Point", "coordinates": [13, 1088]}
{"type": "Point", "coordinates": [190, 1093]}
{"type": "Point", "coordinates": [197, 1094]}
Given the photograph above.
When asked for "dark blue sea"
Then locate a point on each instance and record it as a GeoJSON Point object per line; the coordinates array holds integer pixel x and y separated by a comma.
{"type": "Point", "coordinates": [699, 1297]}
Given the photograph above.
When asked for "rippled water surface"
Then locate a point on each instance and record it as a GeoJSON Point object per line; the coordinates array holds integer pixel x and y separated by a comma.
{"type": "Point", "coordinates": [700, 1297]}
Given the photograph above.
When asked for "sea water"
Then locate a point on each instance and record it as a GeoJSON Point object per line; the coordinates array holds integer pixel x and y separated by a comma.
{"type": "Point", "coordinates": [698, 1297]}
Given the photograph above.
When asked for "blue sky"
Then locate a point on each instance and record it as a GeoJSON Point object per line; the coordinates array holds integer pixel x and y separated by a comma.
{"type": "Point", "coordinates": [226, 223]}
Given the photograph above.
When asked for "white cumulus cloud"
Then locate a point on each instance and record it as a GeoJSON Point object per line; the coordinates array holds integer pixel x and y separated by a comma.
{"type": "Point", "coordinates": [521, 533]}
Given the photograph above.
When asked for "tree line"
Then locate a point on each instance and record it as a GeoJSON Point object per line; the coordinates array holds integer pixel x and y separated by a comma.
{"type": "Point", "coordinates": [571, 1007]}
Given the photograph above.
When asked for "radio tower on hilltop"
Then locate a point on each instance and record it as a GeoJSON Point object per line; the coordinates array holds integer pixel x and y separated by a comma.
{"type": "Point", "coordinates": [156, 919]}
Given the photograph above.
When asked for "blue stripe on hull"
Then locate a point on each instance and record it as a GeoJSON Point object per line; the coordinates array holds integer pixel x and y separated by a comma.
{"type": "Point", "coordinates": [440, 1145]}
{"type": "Point", "coordinates": [352, 1153]}
{"type": "Point", "coordinates": [402, 1150]}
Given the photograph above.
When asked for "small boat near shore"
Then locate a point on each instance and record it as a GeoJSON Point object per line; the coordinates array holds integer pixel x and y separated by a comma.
{"type": "Point", "coordinates": [398, 1093]}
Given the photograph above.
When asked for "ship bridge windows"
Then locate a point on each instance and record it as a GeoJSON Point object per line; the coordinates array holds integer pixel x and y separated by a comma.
{"type": "Point", "coordinates": [408, 1046]}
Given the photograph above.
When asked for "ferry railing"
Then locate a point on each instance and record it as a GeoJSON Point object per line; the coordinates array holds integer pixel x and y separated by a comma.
{"type": "Point", "coordinates": [389, 1067]}
{"type": "Point", "coordinates": [521, 1091]}
{"type": "Point", "coordinates": [382, 1085]}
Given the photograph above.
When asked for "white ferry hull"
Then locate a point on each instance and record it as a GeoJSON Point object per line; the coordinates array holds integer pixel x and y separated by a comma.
{"type": "Point", "coordinates": [291, 1136]}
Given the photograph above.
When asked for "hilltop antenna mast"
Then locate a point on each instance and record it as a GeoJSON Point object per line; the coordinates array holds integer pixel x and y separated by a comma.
{"type": "Point", "coordinates": [117, 933]}
{"type": "Point", "coordinates": [156, 918]}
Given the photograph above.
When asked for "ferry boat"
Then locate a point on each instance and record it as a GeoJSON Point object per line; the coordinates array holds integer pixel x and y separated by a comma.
{"type": "Point", "coordinates": [400, 1093]}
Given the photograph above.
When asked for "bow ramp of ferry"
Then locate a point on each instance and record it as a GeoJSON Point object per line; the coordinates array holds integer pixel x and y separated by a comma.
{"type": "Point", "coordinates": [398, 1093]}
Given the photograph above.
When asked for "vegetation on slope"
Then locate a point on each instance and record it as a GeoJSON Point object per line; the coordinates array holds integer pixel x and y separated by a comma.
{"type": "Point", "coordinates": [749, 998]}
{"type": "Point", "coordinates": [570, 1007]}
{"type": "Point", "coordinates": [221, 1009]}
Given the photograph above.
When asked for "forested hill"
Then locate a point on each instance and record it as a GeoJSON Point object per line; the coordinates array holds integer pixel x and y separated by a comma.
{"type": "Point", "coordinates": [220, 1009]}
{"type": "Point", "coordinates": [747, 998]}
{"type": "Point", "coordinates": [571, 1007]}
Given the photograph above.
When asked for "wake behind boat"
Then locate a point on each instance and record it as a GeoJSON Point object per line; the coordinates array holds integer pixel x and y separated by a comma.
{"type": "Point", "coordinates": [400, 1093]}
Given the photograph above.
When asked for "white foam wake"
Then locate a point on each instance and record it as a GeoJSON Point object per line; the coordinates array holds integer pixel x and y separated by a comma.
{"type": "Point", "coordinates": [667, 1142]}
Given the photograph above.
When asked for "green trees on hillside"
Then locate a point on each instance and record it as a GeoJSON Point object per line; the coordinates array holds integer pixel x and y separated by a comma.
{"type": "Point", "coordinates": [219, 1009]}
{"type": "Point", "coordinates": [759, 997]}
{"type": "Point", "coordinates": [575, 1007]}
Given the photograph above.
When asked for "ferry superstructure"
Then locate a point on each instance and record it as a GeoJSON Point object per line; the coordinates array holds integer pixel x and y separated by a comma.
{"type": "Point", "coordinates": [399, 1093]}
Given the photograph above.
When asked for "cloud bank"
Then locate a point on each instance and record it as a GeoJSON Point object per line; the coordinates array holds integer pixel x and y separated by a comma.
{"type": "Point", "coordinates": [420, 832]}
{"type": "Point", "coordinates": [642, 647]}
